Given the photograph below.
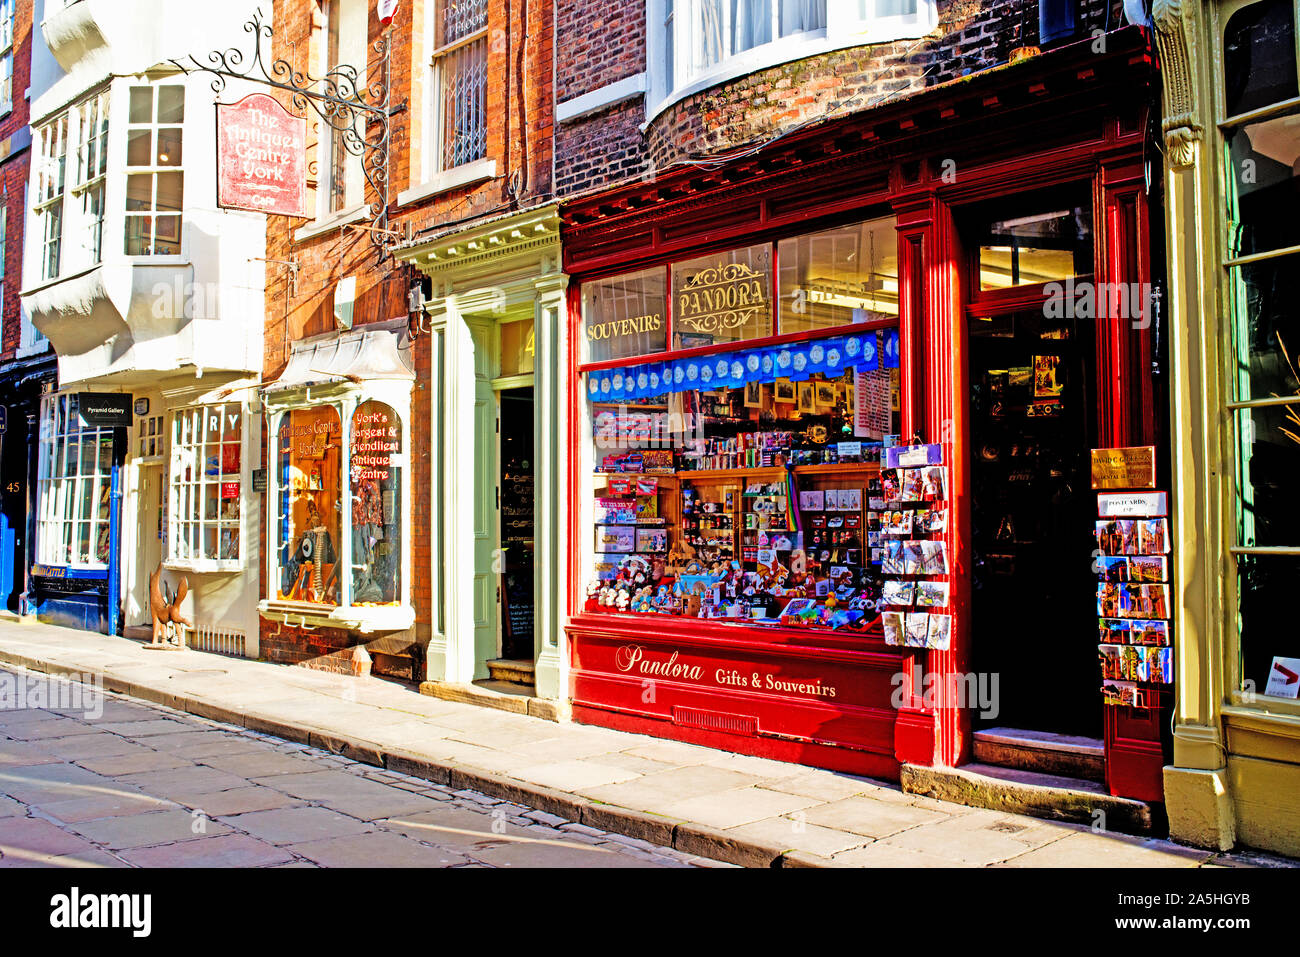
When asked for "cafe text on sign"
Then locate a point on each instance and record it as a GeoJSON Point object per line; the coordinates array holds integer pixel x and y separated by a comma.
{"type": "Point", "coordinates": [261, 157]}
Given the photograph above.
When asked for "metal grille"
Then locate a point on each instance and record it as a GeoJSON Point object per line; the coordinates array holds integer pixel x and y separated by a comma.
{"type": "Point", "coordinates": [464, 105]}
{"type": "Point", "coordinates": [715, 720]}
{"type": "Point", "coordinates": [217, 639]}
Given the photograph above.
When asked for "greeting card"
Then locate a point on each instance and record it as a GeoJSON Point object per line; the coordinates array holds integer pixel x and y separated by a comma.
{"type": "Point", "coordinates": [940, 632]}
{"type": "Point", "coordinates": [892, 622]}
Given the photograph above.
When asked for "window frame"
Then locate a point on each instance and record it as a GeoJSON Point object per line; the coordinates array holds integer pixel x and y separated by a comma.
{"type": "Point", "coordinates": [1229, 532]}
{"type": "Point", "coordinates": [181, 450]}
{"type": "Point", "coordinates": [8, 27]}
{"type": "Point", "coordinates": [436, 70]}
{"type": "Point", "coordinates": [153, 170]}
{"type": "Point", "coordinates": [60, 497]}
{"type": "Point", "coordinates": [844, 28]}
{"type": "Point", "coordinates": [329, 139]}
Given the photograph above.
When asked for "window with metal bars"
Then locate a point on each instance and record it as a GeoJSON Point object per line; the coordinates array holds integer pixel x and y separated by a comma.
{"type": "Point", "coordinates": [459, 69]}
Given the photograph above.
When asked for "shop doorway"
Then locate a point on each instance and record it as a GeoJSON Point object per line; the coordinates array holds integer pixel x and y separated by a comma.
{"type": "Point", "coordinates": [150, 493]}
{"type": "Point", "coordinates": [516, 527]}
{"type": "Point", "coordinates": [1032, 424]}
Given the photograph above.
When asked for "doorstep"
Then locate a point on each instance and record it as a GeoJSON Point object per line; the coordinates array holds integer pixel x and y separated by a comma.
{"type": "Point", "coordinates": [1028, 792]}
{"type": "Point", "coordinates": [1042, 751]}
{"type": "Point", "coordinates": [502, 695]}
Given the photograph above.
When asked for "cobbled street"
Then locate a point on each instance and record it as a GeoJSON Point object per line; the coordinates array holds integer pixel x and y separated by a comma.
{"type": "Point", "coordinates": [144, 786]}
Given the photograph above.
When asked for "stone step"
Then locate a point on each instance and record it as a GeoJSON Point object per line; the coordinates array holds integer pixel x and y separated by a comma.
{"type": "Point", "coordinates": [1066, 755]}
{"type": "Point", "coordinates": [515, 670]}
{"type": "Point", "coordinates": [1028, 792]}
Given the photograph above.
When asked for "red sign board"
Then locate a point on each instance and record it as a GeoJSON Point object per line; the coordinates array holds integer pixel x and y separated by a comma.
{"type": "Point", "coordinates": [261, 157]}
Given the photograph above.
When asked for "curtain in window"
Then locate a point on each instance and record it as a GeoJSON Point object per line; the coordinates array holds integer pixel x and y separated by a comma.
{"type": "Point", "coordinates": [798, 16]}
{"type": "Point", "coordinates": [751, 24]}
{"type": "Point", "coordinates": [712, 36]}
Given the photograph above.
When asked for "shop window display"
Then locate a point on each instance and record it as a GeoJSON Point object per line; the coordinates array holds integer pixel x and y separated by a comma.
{"type": "Point", "coordinates": [376, 489]}
{"type": "Point", "coordinates": [308, 499]}
{"type": "Point", "coordinates": [205, 482]}
{"type": "Point", "coordinates": [744, 486]}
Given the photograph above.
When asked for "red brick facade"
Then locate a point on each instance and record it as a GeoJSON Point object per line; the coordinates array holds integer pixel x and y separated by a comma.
{"type": "Point", "coordinates": [519, 130]}
{"type": "Point", "coordinates": [600, 43]}
{"type": "Point", "coordinates": [14, 169]}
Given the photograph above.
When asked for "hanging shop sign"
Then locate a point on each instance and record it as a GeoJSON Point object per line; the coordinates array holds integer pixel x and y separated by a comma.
{"type": "Point", "coordinates": [104, 410]}
{"type": "Point", "coordinates": [261, 157]}
{"type": "Point", "coordinates": [1133, 467]}
{"type": "Point", "coordinates": [723, 296]}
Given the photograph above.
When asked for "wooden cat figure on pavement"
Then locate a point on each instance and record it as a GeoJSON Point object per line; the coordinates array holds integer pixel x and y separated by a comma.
{"type": "Point", "coordinates": [166, 611]}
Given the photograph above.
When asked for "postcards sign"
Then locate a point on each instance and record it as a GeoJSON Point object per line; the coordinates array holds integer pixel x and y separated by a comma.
{"type": "Point", "coordinates": [261, 157]}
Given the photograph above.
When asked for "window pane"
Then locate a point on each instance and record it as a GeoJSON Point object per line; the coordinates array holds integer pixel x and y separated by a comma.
{"type": "Point", "coordinates": [167, 236]}
{"type": "Point", "coordinates": [1259, 56]}
{"type": "Point", "coordinates": [1262, 301]}
{"type": "Point", "coordinates": [141, 110]}
{"type": "Point", "coordinates": [723, 298]}
{"type": "Point", "coordinates": [1268, 461]}
{"type": "Point", "coordinates": [518, 348]}
{"type": "Point", "coordinates": [1042, 238]}
{"type": "Point", "coordinates": [171, 104]}
{"type": "Point", "coordinates": [1263, 192]}
{"type": "Point", "coordinates": [138, 148]}
{"type": "Point", "coordinates": [309, 480]}
{"type": "Point", "coordinates": [139, 191]}
{"type": "Point", "coordinates": [169, 146]}
{"type": "Point", "coordinates": [1266, 587]}
{"type": "Point", "coordinates": [798, 16]}
{"type": "Point", "coordinates": [376, 489]}
{"type": "Point", "coordinates": [139, 233]}
{"type": "Point", "coordinates": [624, 316]}
{"type": "Point", "coordinates": [464, 108]}
{"type": "Point", "coordinates": [751, 23]}
{"type": "Point", "coordinates": [839, 276]}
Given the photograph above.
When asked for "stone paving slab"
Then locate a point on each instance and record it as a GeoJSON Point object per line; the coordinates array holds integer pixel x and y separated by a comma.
{"type": "Point", "coordinates": [699, 800]}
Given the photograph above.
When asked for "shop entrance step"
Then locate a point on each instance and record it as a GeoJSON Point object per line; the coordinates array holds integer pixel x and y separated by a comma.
{"type": "Point", "coordinates": [514, 670]}
{"type": "Point", "coordinates": [1041, 751]}
{"type": "Point", "coordinates": [1028, 792]}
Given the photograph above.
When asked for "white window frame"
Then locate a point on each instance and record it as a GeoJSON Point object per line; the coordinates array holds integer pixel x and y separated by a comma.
{"type": "Point", "coordinates": [190, 484]}
{"type": "Point", "coordinates": [60, 495]}
{"type": "Point", "coordinates": [154, 170]}
{"type": "Point", "coordinates": [440, 65]}
{"type": "Point", "coordinates": [848, 23]}
{"type": "Point", "coordinates": [329, 139]}
{"type": "Point", "coordinates": [49, 175]}
{"type": "Point", "coordinates": [8, 24]}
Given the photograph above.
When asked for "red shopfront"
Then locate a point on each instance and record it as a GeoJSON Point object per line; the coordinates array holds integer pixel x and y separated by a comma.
{"type": "Point", "coordinates": [748, 340]}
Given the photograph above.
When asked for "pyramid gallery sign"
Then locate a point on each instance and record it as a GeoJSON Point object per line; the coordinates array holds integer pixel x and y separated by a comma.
{"type": "Point", "coordinates": [261, 157]}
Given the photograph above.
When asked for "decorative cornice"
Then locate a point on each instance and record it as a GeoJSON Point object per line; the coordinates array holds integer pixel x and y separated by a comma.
{"type": "Point", "coordinates": [529, 232]}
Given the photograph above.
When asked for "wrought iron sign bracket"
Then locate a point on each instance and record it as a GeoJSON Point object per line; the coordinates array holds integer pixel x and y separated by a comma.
{"type": "Point", "coordinates": [356, 110]}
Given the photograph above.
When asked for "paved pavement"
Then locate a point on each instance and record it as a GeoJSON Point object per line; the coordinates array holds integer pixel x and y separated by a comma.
{"type": "Point", "coordinates": [134, 785]}
{"type": "Point", "coordinates": [585, 782]}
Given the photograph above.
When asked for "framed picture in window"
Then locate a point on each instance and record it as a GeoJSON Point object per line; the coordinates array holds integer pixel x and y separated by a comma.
{"type": "Point", "coordinates": [753, 395]}
{"type": "Point", "coordinates": [783, 390]}
{"type": "Point", "coordinates": [807, 397]}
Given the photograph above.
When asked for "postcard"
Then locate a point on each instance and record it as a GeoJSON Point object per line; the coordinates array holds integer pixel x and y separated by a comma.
{"type": "Point", "coordinates": [889, 489]}
{"type": "Point", "coordinates": [893, 625]}
{"type": "Point", "coordinates": [851, 499]}
{"type": "Point", "coordinates": [917, 629]}
{"type": "Point", "coordinates": [1150, 569]}
{"type": "Point", "coordinates": [940, 632]}
{"type": "Point", "coordinates": [913, 558]}
{"type": "Point", "coordinates": [1148, 632]}
{"type": "Point", "coordinates": [1114, 631]}
{"type": "Point", "coordinates": [934, 483]}
{"type": "Point", "coordinates": [1112, 568]}
{"type": "Point", "coordinates": [1108, 600]}
{"type": "Point", "coordinates": [812, 501]}
{"type": "Point", "coordinates": [1124, 693]}
{"type": "Point", "coordinates": [912, 487]}
{"type": "Point", "coordinates": [892, 558]}
{"type": "Point", "coordinates": [1118, 536]}
{"type": "Point", "coordinates": [896, 592]}
{"type": "Point", "coordinates": [1110, 660]}
{"type": "Point", "coordinates": [1160, 665]}
{"type": "Point", "coordinates": [934, 558]}
{"type": "Point", "coordinates": [936, 520]}
{"type": "Point", "coordinates": [1047, 384]}
{"type": "Point", "coordinates": [931, 594]}
{"type": "Point", "coordinates": [1152, 537]}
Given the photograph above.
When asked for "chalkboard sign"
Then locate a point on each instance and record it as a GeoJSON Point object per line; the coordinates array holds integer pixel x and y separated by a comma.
{"type": "Point", "coordinates": [517, 600]}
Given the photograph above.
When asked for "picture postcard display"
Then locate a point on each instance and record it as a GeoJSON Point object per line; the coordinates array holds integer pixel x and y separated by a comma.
{"type": "Point", "coordinates": [915, 595]}
{"type": "Point", "coordinates": [1135, 647]}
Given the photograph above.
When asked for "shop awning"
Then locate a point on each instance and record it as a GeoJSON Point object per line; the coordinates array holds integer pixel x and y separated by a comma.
{"type": "Point", "coordinates": [796, 361]}
{"type": "Point", "coordinates": [381, 351]}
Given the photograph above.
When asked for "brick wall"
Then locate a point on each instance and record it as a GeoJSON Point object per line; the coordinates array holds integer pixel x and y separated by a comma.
{"type": "Point", "coordinates": [519, 109]}
{"type": "Point", "coordinates": [606, 148]}
{"type": "Point", "coordinates": [13, 176]}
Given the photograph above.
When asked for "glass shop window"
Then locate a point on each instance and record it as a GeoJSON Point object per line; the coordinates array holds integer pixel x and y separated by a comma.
{"type": "Point", "coordinates": [376, 490]}
{"type": "Point", "coordinates": [723, 297]}
{"type": "Point", "coordinates": [625, 315]}
{"type": "Point", "coordinates": [308, 492]}
{"type": "Point", "coordinates": [839, 276]}
{"type": "Point", "coordinates": [1042, 238]}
